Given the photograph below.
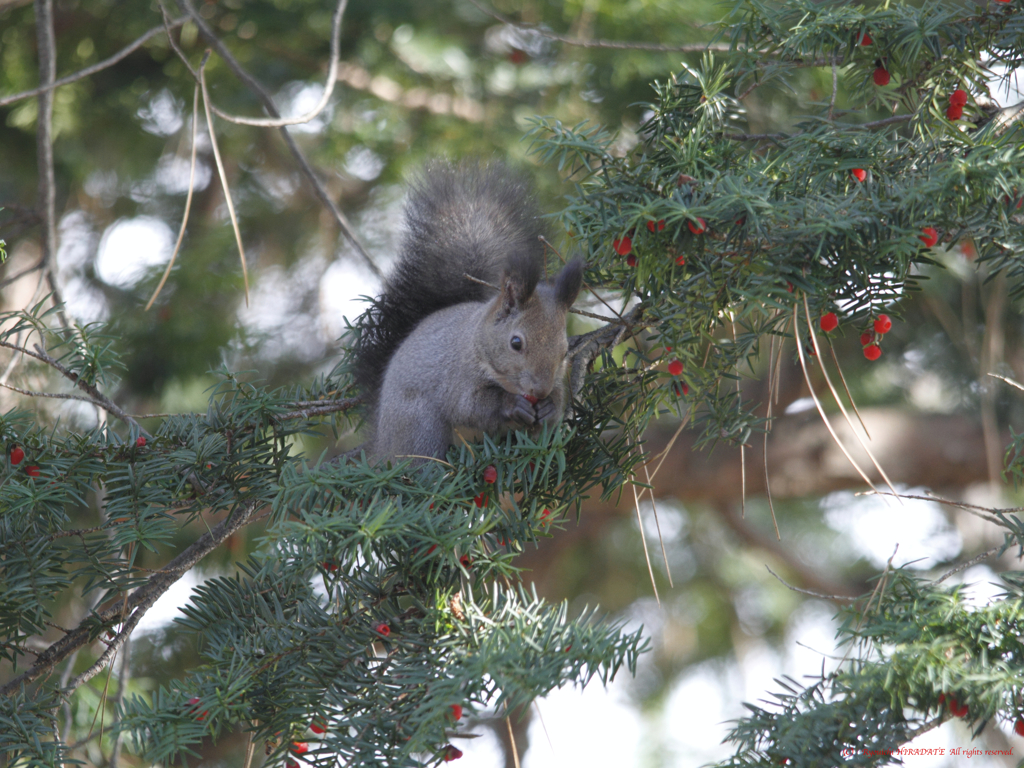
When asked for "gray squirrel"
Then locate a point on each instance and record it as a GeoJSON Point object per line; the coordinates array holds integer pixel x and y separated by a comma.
{"type": "Point", "coordinates": [438, 351]}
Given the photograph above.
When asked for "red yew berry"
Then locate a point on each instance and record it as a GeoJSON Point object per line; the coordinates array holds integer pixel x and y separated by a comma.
{"type": "Point", "coordinates": [480, 500]}
{"type": "Point", "coordinates": [193, 704]}
{"type": "Point", "coordinates": [623, 245]}
{"type": "Point", "coordinates": [465, 562]}
{"type": "Point", "coordinates": [958, 98]}
{"type": "Point", "coordinates": [829, 322]}
{"type": "Point", "coordinates": [318, 726]}
{"type": "Point", "coordinates": [300, 747]}
{"type": "Point", "coordinates": [140, 442]}
{"type": "Point", "coordinates": [866, 39]}
{"type": "Point", "coordinates": [675, 367]}
{"type": "Point", "coordinates": [531, 399]}
{"type": "Point", "coordinates": [789, 286]}
{"type": "Point", "coordinates": [680, 388]}
{"type": "Point", "coordinates": [383, 629]}
{"type": "Point", "coordinates": [859, 174]}
{"type": "Point", "coordinates": [17, 454]}
{"type": "Point", "coordinates": [655, 225]}
{"type": "Point", "coordinates": [954, 113]}
{"type": "Point", "coordinates": [872, 352]}
{"type": "Point", "coordinates": [883, 324]}
{"type": "Point", "coordinates": [631, 260]}
{"type": "Point", "coordinates": [518, 57]}
{"type": "Point", "coordinates": [955, 708]}
{"type": "Point", "coordinates": [32, 471]}
{"type": "Point", "coordinates": [698, 226]}
{"type": "Point", "coordinates": [544, 517]}
{"type": "Point", "coordinates": [881, 76]}
{"type": "Point", "coordinates": [451, 753]}
{"type": "Point", "coordinates": [490, 474]}
{"type": "Point", "coordinates": [1018, 727]}
{"type": "Point", "coordinates": [330, 565]}
{"type": "Point", "coordinates": [942, 698]}
{"type": "Point", "coordinates": [456, 711]}
{"type": "Point", "coordinates": [681, 260]}
{"type": "Point", "coordinates": [929, 237]}
{"type": "Point", "coordinates": [866, 338]}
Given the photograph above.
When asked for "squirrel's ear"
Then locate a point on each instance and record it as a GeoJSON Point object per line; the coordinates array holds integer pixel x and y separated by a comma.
{"type": "Point", "coordinates": [512, 294]}
{"type": "Point", "coordinates": [568, 283]}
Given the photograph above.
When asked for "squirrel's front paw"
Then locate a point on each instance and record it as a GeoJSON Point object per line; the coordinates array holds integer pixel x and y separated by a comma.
{"type": "Point", "coordinates": [521, 411]}
{"type": "Point", "coordinates": [547, 411]}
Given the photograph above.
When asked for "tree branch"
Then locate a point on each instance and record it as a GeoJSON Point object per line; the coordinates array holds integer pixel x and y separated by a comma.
{"type": "Point", "coordinates": [332, 78]}
{"type": "Point", "coordinates": [139, 602]}
{"type": "Point", "coordinates": [92, 70]}
{"type": "Point", "coordinates": [253, 85]}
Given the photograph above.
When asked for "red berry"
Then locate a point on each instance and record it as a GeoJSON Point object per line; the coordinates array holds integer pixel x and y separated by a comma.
{"type": "Point", "coordinates": [942, 698]}
{"type": "Point", "coordinates": [451, 753]}
{"type": "Point", "coordinates": [954, 113]}
{"type": "Point", "coordinates": [789, 286]}
{"type": "Point", "coordinates": [680, 388]}
{"type": "Point", "coordinates": [330, 565]}
{"type": "Point", "coordinates": [383, 629]}
{"type": "Point", "coordinates": [623, 245]}
{"type": "Point", "coordinates": [532, 400]}
{"type": "Point", "coordinates": [866, 338]}
{"type": "Point", "coordinates": [1018, 727]}
{"type": "Point", "coordinates": [466, 562]}
{"type": "Point", "coordinates": [958, 98]}
{"type": "Point", "coordinates": [866, 39]}
{"type": "Point", "coordinates": [829, 322]}
{"type": "Point", "coordinates": [681, 260]}
{"type": "Point", "coordinates": [929, 237]}
{"type": "Point", "coordinates": [32, 471]}
{"type": "Point", "coordinates": [480, 500]}
{"type": "Point", "coordinates": [318, 726]}
{"type": "Point", "coordinates": [675, 367]}
{"type": "Point", "coordinates": [881, 76]}
{"type": "Point", "coordinates": [490, 474]}
{"type": "Point", "coordinates": [192, 703]}
{"type": "Point", "coordinates": [456, 711]}
{"type": "Point", "coordinates": [872, 352]}
{"type": "Point", "coordinates": [652, 225]}
{"type": "Point", "coordinates": [859, 174]}
{"type": "Point", "coordinates": [697, 226]}
{"type": "Point", "coordinates": [17, 454]}
{"type": "Point", "coordinates": [631, 260]}
{"type": "Point", "coordinates": [518, 57]}
{"type": "Point", "coordinates": [300, 747]}
{"type": "Point", "coordinates": [544, 517]}
{"type": "Point", "coordinates": [432, 548]}
{"type": "Point", "coordinates": [141, 442]}
{"type": "Point", "coordinates": [883, 324]}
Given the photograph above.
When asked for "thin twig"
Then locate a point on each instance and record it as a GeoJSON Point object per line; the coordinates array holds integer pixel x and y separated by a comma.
{"type": "Point", "coordinates": [223, 174]}
{"type": "Point", "coordinates": [188, 199]}
{"type": "Point", "coordinates": [332, 78]}
{"type": "Point", "coordinates": [807, 591]}
{"type": "Point", "coordinates": [27, 271]}
{"type": "Point", "coordinates": [92, 70]}
{"type": "Point", "coordinates": [964, 566]}
{"type": "Point", "coordinates": [817, 402]}
{"type": "Point", "coordinates": [47, 206]}
{"type": "Point", "coordinates": [835, 88]}
{"type": "Point", "coordinates": [973, 509]}
{"type": "Point", "coordinates": [268, 104]}
{"type": "Point", "coordinates": [512, 740]}
{"type": "Point", "coordinates": [839, 402]}
{"type": "Point", "coordinates": [54, 395]}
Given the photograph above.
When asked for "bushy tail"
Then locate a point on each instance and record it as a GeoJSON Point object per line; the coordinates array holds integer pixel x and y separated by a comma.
{"type": "Point", "coordinates": [459, 219]}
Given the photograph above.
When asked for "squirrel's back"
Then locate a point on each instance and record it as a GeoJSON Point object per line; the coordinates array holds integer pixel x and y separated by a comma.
{"type": "Point", "coordinates": [459, 219]}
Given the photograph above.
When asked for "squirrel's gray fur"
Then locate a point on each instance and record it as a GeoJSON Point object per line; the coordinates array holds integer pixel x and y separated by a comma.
{"type": "Point", "coordinates": [438, 351]}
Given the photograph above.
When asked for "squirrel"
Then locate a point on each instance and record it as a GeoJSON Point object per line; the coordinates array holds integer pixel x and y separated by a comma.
{"type": "Point", "coordinates": [438, 350]}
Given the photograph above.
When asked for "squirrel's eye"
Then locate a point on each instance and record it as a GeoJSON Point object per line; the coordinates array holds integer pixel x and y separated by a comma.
{"type": "Point", "coordinates": [516, 343]}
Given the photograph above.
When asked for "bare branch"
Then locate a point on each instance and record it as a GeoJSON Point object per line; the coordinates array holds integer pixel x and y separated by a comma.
{"type": "Point", "coordinates": [327, 407]}
{"type": "Point", "coordinates": [332, 78]}
{"type": "Point", "coordinates": [92, 70]}
{"type": "Point", "coordinates": [54, 395]}
{"type": "Point", "coordinates": [98, 398]}
{"type": "Point", "coordinates": [268, 104]}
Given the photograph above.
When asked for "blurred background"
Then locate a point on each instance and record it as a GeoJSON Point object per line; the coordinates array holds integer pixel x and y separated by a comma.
{"type": "Point", "coordinates": [418, 80]}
